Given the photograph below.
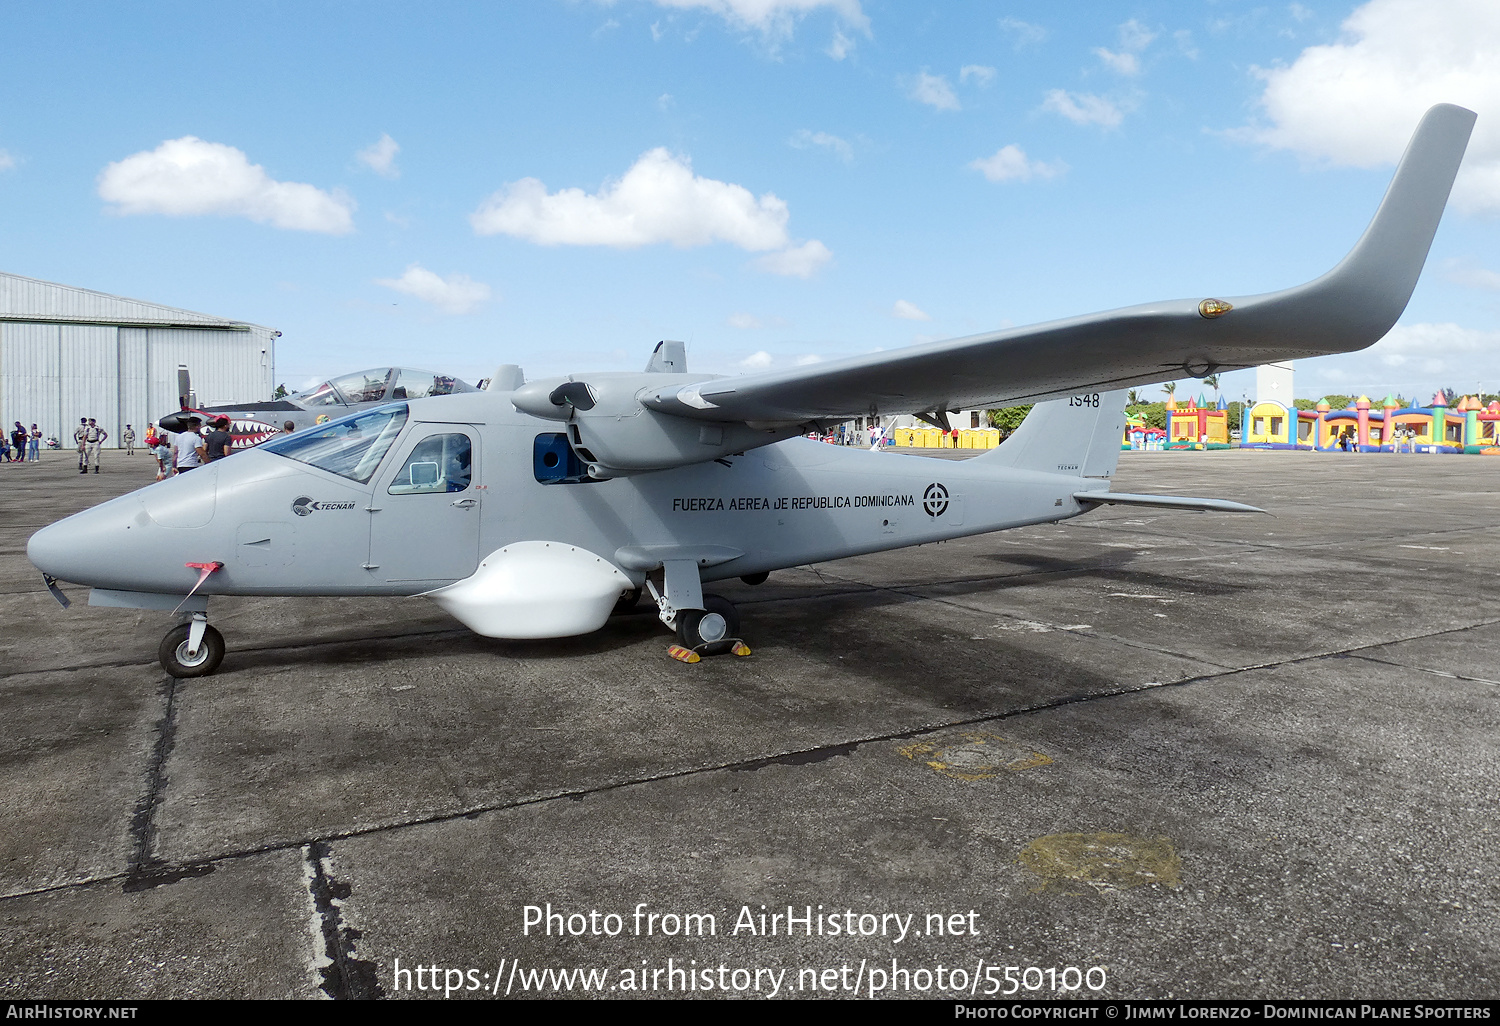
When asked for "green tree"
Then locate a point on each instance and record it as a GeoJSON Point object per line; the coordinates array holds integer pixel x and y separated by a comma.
{"type": "Point", "coordinates": [1170, 388]}
{"type": "Point", "coordinates": [281, 392]}
{"type": "Point", "coordinates": [1009, 418]}
{"type": "Point", "coordinates": [1154, 414]}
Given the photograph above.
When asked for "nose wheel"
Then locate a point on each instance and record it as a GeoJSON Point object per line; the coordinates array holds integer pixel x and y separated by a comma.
{"type": "Point", "coordinates": [192, 649]}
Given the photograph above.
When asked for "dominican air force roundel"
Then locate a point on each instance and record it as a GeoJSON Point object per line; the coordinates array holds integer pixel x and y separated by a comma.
{"type": "Point", "coordinates": [935, 500]}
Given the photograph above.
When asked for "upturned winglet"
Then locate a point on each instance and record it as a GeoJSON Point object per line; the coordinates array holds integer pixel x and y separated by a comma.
{"type": "Point", "coordinates": [1356, 303]}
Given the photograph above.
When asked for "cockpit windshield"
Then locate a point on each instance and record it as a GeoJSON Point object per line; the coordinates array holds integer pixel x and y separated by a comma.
{"type": "Point", "coordinates": [350, 447]}
{"type": "Point", "coordinates": [372, 386]}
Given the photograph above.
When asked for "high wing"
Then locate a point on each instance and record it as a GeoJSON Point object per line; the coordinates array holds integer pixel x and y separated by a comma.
{"type": "Point", "coordinates": [1349, 308]}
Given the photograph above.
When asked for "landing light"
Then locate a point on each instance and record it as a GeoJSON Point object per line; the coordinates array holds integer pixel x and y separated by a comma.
{"type": "Point", "coordinates": [1212, 308]}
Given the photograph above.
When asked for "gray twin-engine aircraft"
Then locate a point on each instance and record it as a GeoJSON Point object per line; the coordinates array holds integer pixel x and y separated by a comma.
{"type": "Point", "coordinates": [531, 510]}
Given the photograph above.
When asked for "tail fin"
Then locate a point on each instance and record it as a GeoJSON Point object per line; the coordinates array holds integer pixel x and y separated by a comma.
{"type": "Point", "coordinates": [1078, 435]}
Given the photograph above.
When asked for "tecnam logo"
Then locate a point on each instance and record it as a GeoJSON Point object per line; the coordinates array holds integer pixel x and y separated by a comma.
{"type": "Point", "coordinates": [303, 505]}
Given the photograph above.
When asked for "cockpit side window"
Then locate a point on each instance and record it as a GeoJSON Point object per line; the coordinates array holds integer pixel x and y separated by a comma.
{"type": "Point", "coordinates": [438, 463]}
{"type": "Point", "coordinates": [350, 447]}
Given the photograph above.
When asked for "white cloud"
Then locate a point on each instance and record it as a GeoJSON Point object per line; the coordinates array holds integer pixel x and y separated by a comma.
{"type": "Point", "coordinates": [380, 157]}
{"type": "Point", "coordinates": [805, 139]}
{"type": "Point", "coordinates": [908, 311]}
{"type": "Point", "coordinates": [6, 161]}
{"type": "Point", "coordinates": [1439, 349]}
{"type": "Point", "coordinates": [658, 200]}
{"type": "Point", "coordinates": [1084, 108]}
{"type": "Point", "coordinates": [797, 261]}
{"type": "Point", "coordinates": [1024, 33]}
{"type": "Point", "coordinates": [773, 18]}
{"type": "Point", "coordinates": [1010, 164]}
{"type": "Point", "coordinates": [1120, 63]}
{"type": "Point", "coordinates": [809, 360]}
{"type": "Point", "coordinates": [189, 177]}
{"type": "Point", "coordinates": [1473, 277]}
{"type": "Point", "coordinates": [1185, 44]}
{"type": "Point", "coordinates": [981, 73]}
{"type": "Point", "coordinates": [840, 47]}
{"type": "Point", "coordinates": [1356, 101]}
{"type": "Point", "coordinates": [934, 91]}
{"type": "Point", "coordinates": [1135, 37]}
{"type": "Point", "coordinates": [455, 294]}
{"type": "Point", "coordinates": [1299, 12]}
{"type": "Point", "coordinates": [757, 361]}
{"type": "Point", "coordinates": [745, 321]}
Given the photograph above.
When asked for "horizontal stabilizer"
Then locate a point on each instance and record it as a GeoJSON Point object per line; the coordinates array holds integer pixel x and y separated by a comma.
{"type": "Point", "coordinates": [1166, 502]}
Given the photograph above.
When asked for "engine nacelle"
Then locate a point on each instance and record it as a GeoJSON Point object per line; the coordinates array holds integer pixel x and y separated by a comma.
{"type": "Point", "coordinates": [616, 432]}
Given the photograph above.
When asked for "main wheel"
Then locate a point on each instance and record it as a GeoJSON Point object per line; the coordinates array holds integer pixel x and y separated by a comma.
{"type": "Point", "coordinates": [173, 652]}
{"type": "Point", "coordinates": [712, 624]}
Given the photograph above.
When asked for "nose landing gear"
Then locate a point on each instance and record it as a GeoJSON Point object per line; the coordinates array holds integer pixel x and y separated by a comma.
{"type": "Point", "coordinates": [192, 649]}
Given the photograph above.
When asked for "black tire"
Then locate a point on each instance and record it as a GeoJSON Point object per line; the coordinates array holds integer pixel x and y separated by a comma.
{"type": "Point", "coordinates": [710, 627]}
{"type": "Point", "coordinates": [759, 578]}
{"type": "Point", "coordinates": [173, 652]}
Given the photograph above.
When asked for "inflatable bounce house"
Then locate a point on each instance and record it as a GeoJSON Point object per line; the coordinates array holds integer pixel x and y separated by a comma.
{"type": "Point", "coordinates": [1140, 435]}
{"type": "Point", "coordinates": [1197, 425]}
{"type": "Point", "coordinates": [1469, 427]}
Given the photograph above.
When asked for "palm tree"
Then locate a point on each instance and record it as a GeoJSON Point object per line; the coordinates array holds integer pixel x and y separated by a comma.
{"type": "Point", "coordinates": [1170, 388]}
{"type": "Point", "coordinates": [1212, 381]}
{"type": "Point", "coordinates": [1132, 398]}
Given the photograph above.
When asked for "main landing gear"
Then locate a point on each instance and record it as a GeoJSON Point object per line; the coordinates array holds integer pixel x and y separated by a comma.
{"type": "Point", "coordinates": [192, 649]}
{"type": "Point", "coordinates": [705, 624]}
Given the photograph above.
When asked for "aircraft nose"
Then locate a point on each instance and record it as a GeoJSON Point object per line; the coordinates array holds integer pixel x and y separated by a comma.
{"type": "Point", "coordinates": [85, 547]}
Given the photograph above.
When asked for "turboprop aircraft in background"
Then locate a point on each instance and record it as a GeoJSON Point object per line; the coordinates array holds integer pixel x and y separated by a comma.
{"type": "Point", "coordinates": [530, 509]}
{"type": "Point", "coordinates": [253, 423]}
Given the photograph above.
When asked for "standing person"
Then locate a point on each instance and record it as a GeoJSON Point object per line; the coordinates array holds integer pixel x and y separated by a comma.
{"type": "Point", "coordinates": [78, 433]}
{"type": "Point", "coordinates": [20, 438]}
{"type": "Point", "coordinates": [218, 442]}
{"type": "Point", "coordinates": [93, 442]}
{"type": "Point", "coordinates": [162, 450]}
{"type": "Point", "coordinates": [128, 437]}
{"type": "Point", "coordinates": [189, 450]}
{"type": "Point", "coordinates": [36, 444]}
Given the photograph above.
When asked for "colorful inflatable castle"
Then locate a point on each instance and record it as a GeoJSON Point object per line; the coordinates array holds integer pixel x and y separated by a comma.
{"type": "Point", "coordinates": [1469, 427]}
{"type": "Point", "coordinates": [1197, 425]}
{"type": "Point", "coordinates": [1140, 435]}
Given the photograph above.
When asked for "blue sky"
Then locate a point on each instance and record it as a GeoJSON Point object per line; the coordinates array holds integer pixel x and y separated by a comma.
{"type": "Point", "coordinates": [561, 184]}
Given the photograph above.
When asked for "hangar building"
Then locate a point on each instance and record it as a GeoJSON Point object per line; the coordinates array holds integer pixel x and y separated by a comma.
{"type": "Point", "coordinates": [67, 353]}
